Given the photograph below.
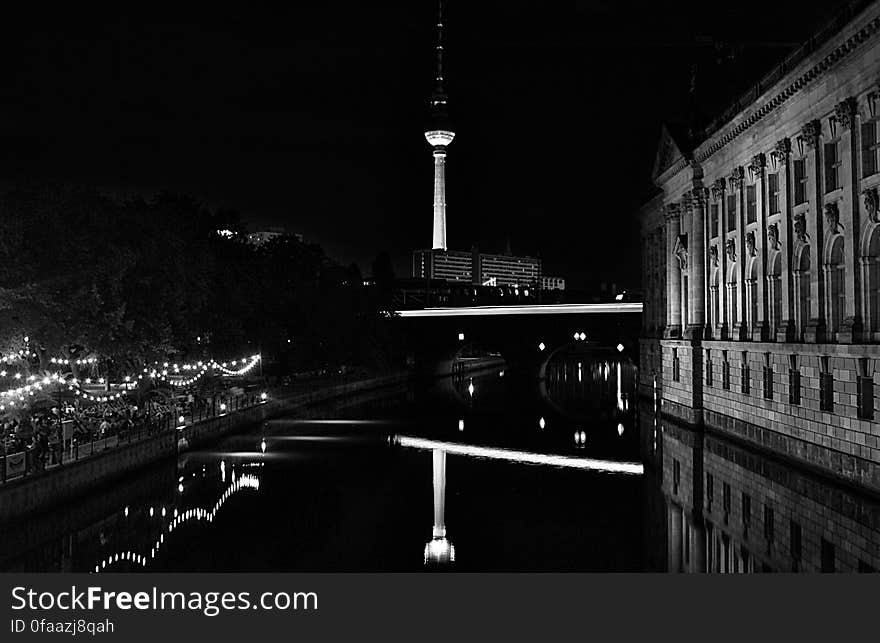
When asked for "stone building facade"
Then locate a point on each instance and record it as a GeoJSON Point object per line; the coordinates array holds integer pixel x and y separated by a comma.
{"type": "Point", "coordinates": [761, 260]}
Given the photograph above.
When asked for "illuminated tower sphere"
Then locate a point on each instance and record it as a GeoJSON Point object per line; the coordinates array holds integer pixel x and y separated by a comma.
{"type": "Point", "coordinates": [439, 135]}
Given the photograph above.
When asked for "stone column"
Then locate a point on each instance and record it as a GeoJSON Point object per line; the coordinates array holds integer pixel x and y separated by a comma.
{"type": "Point", "coordinates": [718, 189]}
{"type": "Point", "coordinates": [780, 157]}
{"type": "Point", "coordinates": [760, 324]}
{"type": "Point", "coordinates": [845, 115]}
{"type": "Point", "coordinates": [696, 264]}
{"type": "Point", "coordinates": [815, 327]}
{"type": "Point", "coordinates": [735, 185]}
{"type": "Point", "coordinates": [673, 272]}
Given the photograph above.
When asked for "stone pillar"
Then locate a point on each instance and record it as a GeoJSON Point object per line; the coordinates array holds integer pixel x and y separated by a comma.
{"type": "Point", "coordinates": [780, 157]}
{"type": "Point", "coordinates": [760, 325]}
{"type": "Point", "coordinates": [673, 271]}
{"type": "Point", "coordinates": [718, 189]}
{"type": "Point", "coordinates": [696, 204]}
{"type": "Point", "coordinates": [845, 115]}
{"type": "Point", "coordinates": [815, 327]}
{"type": "Point", "coordinates": [735, 185]}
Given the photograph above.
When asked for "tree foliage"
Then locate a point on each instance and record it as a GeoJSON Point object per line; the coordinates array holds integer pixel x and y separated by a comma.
{"type": "Point", "coordinates": [138, 280]}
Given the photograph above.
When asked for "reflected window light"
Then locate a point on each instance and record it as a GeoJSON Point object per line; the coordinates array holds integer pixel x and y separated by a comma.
{"type": "Point", "coordinates": [620, 348]}
{"type": "Point", "coordinates": [263, 445]}
{"type": "Point", "coordinates": [471, 388]}
{"type": "Point", "coordinates": [541, 346]}
{"type": "Point", "coordinates": [542, 423]}
{"type": "Point", "coordinates": [461, 337]}
{"type": "Point", "coordinates": [461, 425]}
{"type": "Point", "coordinates": [620, 429]}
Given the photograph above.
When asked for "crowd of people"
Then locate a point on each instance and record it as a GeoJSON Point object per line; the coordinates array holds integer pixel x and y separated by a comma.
{"type": "Point", "coordinates": [45, 433]}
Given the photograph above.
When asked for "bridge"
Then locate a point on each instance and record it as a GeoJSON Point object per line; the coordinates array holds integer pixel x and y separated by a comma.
{"type": "Point", "coordinates": [526, 336]}
{"type": "Point", "coordinates": [537, 309]}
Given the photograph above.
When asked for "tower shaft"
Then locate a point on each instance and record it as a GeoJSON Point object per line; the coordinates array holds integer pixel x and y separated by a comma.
{"type": "Point", "coordinates": [439, 241]}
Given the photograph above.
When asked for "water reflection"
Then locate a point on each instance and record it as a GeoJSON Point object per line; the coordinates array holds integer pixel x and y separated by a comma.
{"type": "Point", "coordinates": [729, 509]}
{"type": "Point", "coordinates": [439, 550]}
{"type": "Point", "coordinates": [565, 474]}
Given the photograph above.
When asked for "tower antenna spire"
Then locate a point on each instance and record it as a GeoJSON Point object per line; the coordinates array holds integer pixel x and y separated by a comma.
{"type": "Point", "coordinates": [439, 135]}
{"type": "Point", "coordinates": [438, 98]}
{"type": "Point", "coordinates": [439, 49]}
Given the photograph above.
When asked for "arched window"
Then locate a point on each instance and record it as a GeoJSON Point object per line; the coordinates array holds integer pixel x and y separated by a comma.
{"type": "Point", "coordinates": [802, 290]}
{"type": "Point", "coordinates": [715, 297]}
{"type": "Point", "coordinates": [774, 292]}
{"type": "Point", "coordinates": [836, 285]}
{"type": "Point", "coordinates": [752, 295]}
{"type": "Point", "coordinates": [871, 280]}
{"type": "Point", "coordinates": [732, 298]}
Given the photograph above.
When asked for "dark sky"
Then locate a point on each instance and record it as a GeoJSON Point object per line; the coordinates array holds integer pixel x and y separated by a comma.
{"type": "Point", "coordinates": [311, 117]}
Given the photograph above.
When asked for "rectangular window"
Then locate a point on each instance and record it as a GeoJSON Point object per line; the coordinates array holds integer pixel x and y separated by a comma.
{"type": "Point", "coordinates": [832, 167]}
{"type": "Point", "coordinates": [826, 386]}
{"type": "Point", "coordinates": [827, 556]}
{"type": "Point", "coordinates": [865, 390]}
{"type": "Point", "coordinates": [769, 526]}
{"type": "Point", "coordinates": [794, 381]}
{"type": "Point", "coordinates": [708, 369]}
{"type": "Point", "coordinates": [773, 192]}
{"type": "Point", "coordinates": [731, 213]}
{"type": "Point", "coordinates": [676, 475]}
{"type": "Point", "coordinates": [768, 377]}
{"type": "Point", "coordinates": [869, 148]}
{"type": "Point", "coordinates": [747, 514]}
{"type": "Point", "coordinates": [795, 545]}
{"type": "Point", "coordinates": [746, 375]}
{"type": "Point", "coordinates": [751, 204]}
{"type": "Point", "coordinates": [675, 365]}
{"type": "Point", "coordinates": [725, 372]}
{"type": "Point", "coordinates": [725, 500]}
{"type": "Point", "coordinates": [713, 230]}
{"type": "Point", "coordinates": [710, 491]}
{"type": "Point", "coordinates": [800, 181]}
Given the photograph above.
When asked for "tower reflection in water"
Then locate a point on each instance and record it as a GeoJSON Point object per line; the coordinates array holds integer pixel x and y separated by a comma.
{"type": "Point", "coordinates": [439, 550]}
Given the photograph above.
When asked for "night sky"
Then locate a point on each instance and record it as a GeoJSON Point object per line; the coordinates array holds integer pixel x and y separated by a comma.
{"type": "Point", "coordinates": [312, 117]}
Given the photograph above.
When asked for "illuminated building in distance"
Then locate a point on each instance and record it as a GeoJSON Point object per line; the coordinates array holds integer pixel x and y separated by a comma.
{"type": "Point", "coordinates": [477, 268]}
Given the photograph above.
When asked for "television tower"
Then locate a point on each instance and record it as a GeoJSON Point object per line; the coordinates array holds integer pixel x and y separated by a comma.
{"type": "Point", "coordinates": [439, 135]}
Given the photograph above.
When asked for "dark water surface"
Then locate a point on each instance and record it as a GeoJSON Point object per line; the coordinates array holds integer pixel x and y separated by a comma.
{"type": "Point", "coordinates": [465, 479]}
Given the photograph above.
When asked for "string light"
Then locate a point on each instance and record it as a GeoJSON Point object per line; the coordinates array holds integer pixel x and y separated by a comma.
{"type": "Point", "coordinates": [128, 382]}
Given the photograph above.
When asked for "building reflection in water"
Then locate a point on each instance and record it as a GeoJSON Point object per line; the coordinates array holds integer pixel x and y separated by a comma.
{"type": "Point", "coordinates": [729, 509]}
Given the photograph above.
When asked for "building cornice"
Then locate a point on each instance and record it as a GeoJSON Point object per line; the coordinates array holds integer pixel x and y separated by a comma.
{"type": "Point", "coordinates": [780, 93]}
{"type": "Point", "coordinates": [788, 89]}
